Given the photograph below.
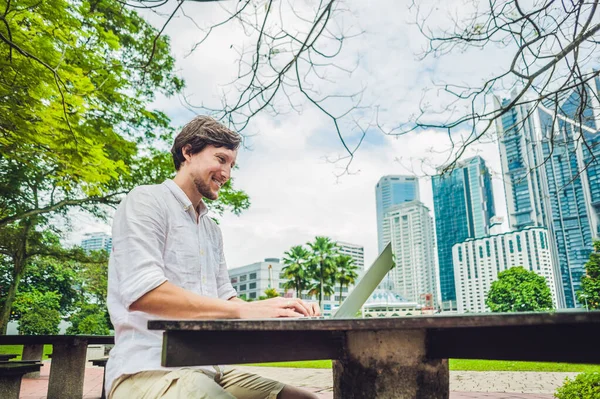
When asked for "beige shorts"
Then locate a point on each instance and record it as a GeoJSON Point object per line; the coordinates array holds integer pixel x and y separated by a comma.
{"type": "Point", "coordinates": [192, 383]}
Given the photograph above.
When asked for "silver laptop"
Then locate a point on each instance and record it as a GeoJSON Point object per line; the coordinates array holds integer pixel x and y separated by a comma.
{"type": "Point", "coordinates": [367, 284]}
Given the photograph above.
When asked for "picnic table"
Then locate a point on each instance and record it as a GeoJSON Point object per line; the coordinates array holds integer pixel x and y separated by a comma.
{"type": "Point", "coordinates": [403, 357]}
{"type": "Point", "coordinates": [68, 359]}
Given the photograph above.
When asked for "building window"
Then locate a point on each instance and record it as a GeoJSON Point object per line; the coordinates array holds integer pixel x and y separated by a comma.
{"type": "Point", "coordinates": [252, 276]}
{"type": "Point", "coordinates": [233, 280]}
{"type": "Point", "coordinates": [243, 278]}
{"type": "Point", "coordinates": [460, 254]}
{"type": "Point", "coordinates": [251, 286]}
{"type": "Point", "coordinates": [510, 247]}
{"type": "Point", "coordinates": [252, 295]}
{"type": "Point", "coordinates": [243, 287]}
{"type": "Point", "coordinates": [519, 244]}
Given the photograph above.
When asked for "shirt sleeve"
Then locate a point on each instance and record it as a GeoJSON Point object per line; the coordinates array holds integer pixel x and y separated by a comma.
{"type": "Point", "coordinates": [139, 233]}
{"type": "Point", "coordinates": [224, 288]}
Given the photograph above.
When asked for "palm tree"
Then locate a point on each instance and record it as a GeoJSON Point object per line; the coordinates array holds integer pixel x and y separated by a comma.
{"type": "Point", "coordinates": [345, 272]}
{"type": "Point", "coordinates": [296, 262]}
{"type": "Point", "coordinates": [324, 252]}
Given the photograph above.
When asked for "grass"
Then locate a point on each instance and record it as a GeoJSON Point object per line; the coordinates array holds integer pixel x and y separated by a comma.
{"type": "Point", "coordinates": [18, 349]}
{"type": "Point", "coordinates": [464, 365]}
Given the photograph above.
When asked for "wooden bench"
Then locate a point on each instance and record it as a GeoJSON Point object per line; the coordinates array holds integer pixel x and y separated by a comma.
{"type": "Point", "coordinates": [68, 359]}
{"type": "Point", "coordinates": [385, 357]}
{"type": "Point", "coordinates": [102, 363]}
{"type": "Point", "coordinates": [11, 374]}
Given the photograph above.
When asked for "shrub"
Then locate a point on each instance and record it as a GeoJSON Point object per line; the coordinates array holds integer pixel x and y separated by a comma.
{"type": "Point", "coordinates": [584, 386]}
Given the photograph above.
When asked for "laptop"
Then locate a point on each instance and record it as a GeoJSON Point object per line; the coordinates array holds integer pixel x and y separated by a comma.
{"type": "Point", "coordinates": [365, 287]}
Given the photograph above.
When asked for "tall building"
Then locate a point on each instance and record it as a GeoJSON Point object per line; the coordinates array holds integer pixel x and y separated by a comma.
{"type": "Point", "coordinates": [97, 241]}
{"type": "Point", "coordinates": [463, 205]}
{"type": "Point", "coordinates": [477, 263]}
{"type": "Point", "coordinates": [393, 190]}
{"type": "Point", "coordinates": [409, 227]}
{"type": "Point", "coordinates": [552, 179]}
{"type": "Point", "coordinates": [357, 252]}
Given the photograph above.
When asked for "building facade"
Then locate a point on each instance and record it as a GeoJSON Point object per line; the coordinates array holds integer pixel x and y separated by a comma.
{"type": "Point", "coordinates": [552, 179]}
{"type": "Point", "coordinates": [355, 251]}
{"type": "Point", "coordinates": [393, 190]}
{"type": "Point", "coordinates": [96, 242]}
{"type": "Point", "coordinates": [251, 281]}
{"type": "Point", "coordinates": [409, 227]}
{"type": "Point", "coordinates": [383, 303]}
{"type": "Point", "coordinates": [463, 206]}
{"type": "Point", "coordinates": [477, 263]}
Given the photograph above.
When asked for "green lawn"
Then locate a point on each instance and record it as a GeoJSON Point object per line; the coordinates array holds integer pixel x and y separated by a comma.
{"type": "Point", "coordinates": [462, 364]}
{"type": "Point", "coordinates": [18, 349]}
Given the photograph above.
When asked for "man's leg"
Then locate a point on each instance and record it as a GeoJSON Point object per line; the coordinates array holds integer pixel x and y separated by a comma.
{"type": "Point", "coordinates": [251, 386]}
{"type": "Point", "coordinates": [178, 384]}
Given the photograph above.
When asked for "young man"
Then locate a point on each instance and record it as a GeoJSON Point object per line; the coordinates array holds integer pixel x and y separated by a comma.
{"type": "Point", "coordinates": [167, 262]}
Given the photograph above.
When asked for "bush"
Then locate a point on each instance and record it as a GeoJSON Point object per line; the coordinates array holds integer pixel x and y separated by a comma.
{"type": "Point", "coordinates": [90, 319]}
{"type": "Point", "coordinates": [40, 313]}
{"type": "Point", "coordinates": [584, 386]}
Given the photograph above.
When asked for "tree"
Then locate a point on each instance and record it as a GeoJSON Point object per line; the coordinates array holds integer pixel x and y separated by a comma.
{"type": "Point", "coordinates": [519, 290]}
{"type": "Point", "coordinates": [322, 266]}
{"type": "Point", "coordinates": [90, 319]}
{"type": "Point", "coordinates": [40, 313]}
{"type": "Point", "coordinates": [296, 262]}
{"type": "Point", "coordinates": [589, 296]}
{"type": "Point", "coordinates": [270, 293]}
{"type": "Point", "coordinates": [345, 272]}
{"type": "Point", "coordinates": [77, 78]}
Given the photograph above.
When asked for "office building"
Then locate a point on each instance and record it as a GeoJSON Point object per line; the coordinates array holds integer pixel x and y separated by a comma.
{"type": "Point", "coordinates": [96, 242]}
{"type": "Point", "coordinates": [463, 205]}
{"type": "Point", "coordinates": [393, 190]}
{"type": "Point", "coordinates": [552, 179]}
{"type": "Point", "coordinates": [356, 252]}
{"type": "Point", "coordinates": [477, 263]}
{"type": "Point", "coordinates": [409, 227]}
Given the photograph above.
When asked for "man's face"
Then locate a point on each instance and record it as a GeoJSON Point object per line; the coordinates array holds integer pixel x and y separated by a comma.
{"type": "Point", "coordinates": [210, 169]}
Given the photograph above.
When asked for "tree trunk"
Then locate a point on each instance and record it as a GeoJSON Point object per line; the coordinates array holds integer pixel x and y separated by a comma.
{"type": "Point", "coordinates": [341, 288]}
{"type": "Point", "coordinates": [321, 287]}
{"type": "Point", "coordinates": [10, 297]}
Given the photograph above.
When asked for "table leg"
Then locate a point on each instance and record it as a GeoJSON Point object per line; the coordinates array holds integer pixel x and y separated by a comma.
{"type": "Point", "coordinates": [32, 352]}
{"type": "Point", "coordinates": [67, 370]}
{"type": "Point", "coordinates": [389, 364]}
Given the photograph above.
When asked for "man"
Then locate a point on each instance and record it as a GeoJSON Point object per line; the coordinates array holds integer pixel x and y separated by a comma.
{"type": "Point", "coordinates": [167, 262]}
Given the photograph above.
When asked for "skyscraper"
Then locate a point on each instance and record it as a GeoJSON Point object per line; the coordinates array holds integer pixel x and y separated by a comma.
{"type": "Point", "coordinates": [409, 227]}
{"type": "Point", "coordinates": [463, 205]}
{"type": "Point", "coordinates": [96, 241]}
{"type": "Point", "coordinates": [552, 178]}
{"type": "Point", "coordinates": [393, 190]}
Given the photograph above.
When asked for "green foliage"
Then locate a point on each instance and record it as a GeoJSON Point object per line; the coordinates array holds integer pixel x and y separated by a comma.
{"type": "Point", "coordinates": [584, 386]}
{"type": "Point", "coordinates": [345, 273]}
{"type": "Point", "coordinates": [39, 312]}
{"type": "Point", "coordinates": [90, 319]}
{"type": "Point", "coordinates": [519, 290]}
{"type": "Point", "coordinates": [295, 269]}
{"type": "Point", "coordinates": [321, 267]}
{"type": "Point", "coordinates": [271, 293]}
{"type": "Point", "coordinates": [589, 296]}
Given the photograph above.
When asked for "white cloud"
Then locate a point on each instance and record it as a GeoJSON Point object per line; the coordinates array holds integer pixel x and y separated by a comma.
{"type": "Point", "coordinates": [294, 192]}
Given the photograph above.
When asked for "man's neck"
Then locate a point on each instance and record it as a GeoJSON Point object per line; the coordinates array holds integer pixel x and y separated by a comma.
{"type": "Point", "coordinates": [189, 188]}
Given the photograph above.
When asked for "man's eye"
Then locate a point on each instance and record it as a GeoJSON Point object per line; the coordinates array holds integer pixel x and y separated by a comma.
{"type": "Point", "coordinates": [221, 159]}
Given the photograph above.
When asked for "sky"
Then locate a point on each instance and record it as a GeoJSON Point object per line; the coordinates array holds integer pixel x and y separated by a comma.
{"type": "Point", "coordinates": [286, 165]}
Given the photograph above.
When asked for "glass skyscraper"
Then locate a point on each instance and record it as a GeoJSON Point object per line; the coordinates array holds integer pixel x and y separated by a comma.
{"type": "Point", "coordinates": [393, 190]}
{"type": "Point", "coordinates": [463, 205]}
{"type": "Point", "coordinates": [552, 179]}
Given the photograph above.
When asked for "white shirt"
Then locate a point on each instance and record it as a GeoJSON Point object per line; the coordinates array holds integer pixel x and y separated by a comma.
{"type": "Point", "coordinates": [155, 238]}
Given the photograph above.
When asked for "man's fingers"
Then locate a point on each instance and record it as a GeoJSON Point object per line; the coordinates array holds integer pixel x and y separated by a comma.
{"type": "Point", "coordinates": [315, 309]}
{"type": "Point", "coordinates": [297, 305]}
{"type": "Point", "coordinates": [289, 313]}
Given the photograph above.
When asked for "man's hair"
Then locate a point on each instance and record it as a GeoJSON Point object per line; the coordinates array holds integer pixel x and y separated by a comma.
{"type": "Point", "coordinates": [200, 132]}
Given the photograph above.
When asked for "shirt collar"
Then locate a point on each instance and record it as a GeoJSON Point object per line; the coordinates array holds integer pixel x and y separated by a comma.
{"type": "Point", "coordinates": [183, 199]}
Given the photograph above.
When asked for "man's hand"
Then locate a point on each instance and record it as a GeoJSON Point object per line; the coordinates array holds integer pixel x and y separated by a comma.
{"type": "Point", "coordinates": [278, 307]}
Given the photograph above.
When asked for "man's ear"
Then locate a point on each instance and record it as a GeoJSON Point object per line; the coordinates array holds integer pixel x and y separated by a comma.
{"type": "Point", "coordinates": [185, 151]}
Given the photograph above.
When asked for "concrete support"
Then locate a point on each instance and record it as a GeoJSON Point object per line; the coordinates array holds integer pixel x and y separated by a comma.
{"type": "Point", "coordinates": [67, 371]}
{"type": "Point", "coordinates": [10, 386]}
{"type": "Point", "coordinates": [33, 352]}
{"type": "Point", "coordinates": [389, 364]}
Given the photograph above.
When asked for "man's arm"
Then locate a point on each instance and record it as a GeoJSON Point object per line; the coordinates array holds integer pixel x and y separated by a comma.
{"type": "Point", "coordinates": [173, 302]}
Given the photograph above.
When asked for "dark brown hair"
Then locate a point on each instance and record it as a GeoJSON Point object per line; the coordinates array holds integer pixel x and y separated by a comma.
{"type": "Point", "coordinates": [200, 132]}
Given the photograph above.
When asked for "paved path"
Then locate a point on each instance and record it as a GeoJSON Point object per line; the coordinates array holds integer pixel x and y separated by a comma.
{"type": "Point", "coordinates": [463, 384]}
